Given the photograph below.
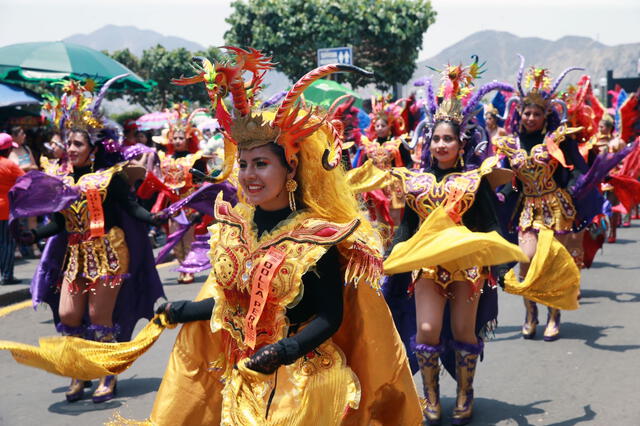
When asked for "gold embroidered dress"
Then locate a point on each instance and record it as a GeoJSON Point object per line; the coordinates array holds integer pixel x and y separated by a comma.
{"type": "Point", "coordinates": [545, 205]}
{"type": "Point", "coordinates": [93, 255]}
{"type": "Point", "coordinates": [206, 376]}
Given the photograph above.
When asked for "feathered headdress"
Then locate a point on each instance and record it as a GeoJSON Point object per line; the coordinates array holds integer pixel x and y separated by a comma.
{"type": "Point", "coordinates": [246, 129]}
{"type": "Point", "coordinates": [183, 122]}
{"type": "Point", "coordinates": [79, 109]}
{"type": "Point", "coordinates": [583, 108]}
{"type": "Point", "coordinates": [459, 103]}
{"type": "Point", "coordinates": [540, 90]}
{"type": "Point", "coordinates": [389, 112]}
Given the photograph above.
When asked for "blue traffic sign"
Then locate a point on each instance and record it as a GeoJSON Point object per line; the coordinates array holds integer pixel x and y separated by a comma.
{"type": "Point", "coordinates": [335, 55]}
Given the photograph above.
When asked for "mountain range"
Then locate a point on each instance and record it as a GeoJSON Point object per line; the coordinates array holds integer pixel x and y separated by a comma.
{"type": "Point", "coordinates": [497, 48]}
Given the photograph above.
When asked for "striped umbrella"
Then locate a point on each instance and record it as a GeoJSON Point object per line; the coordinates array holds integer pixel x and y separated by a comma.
{"type": "Point", "coordinates": [155, 120]}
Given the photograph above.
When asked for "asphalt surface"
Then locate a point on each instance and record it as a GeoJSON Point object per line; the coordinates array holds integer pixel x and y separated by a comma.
{"type": "Point", "coordinates": [590, 376]}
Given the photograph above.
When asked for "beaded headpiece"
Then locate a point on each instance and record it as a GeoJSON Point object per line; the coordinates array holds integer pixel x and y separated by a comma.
{"type": "Point", "coordinates": [79, 109]}
{"type": "Point", "coordinates": [248, 129]}
{"type": "Point", "coordinates": [459, 103]}
{"type": "Point", "coordinates": [540, 90]}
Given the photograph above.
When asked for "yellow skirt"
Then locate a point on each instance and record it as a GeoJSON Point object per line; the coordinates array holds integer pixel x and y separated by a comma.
{"type": "Point", "coordinates": [553, 278]}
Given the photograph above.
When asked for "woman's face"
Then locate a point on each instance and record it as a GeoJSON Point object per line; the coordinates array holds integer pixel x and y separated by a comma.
{"type": "Point", "coordinates": [20, 137]}
{"type": "Point", "coordinates": [445, 146]}
{"type": "Point", "coordinates": [382, 129]}
{"type": "Point", "coordinates": [141, 137]}
{"type": "Point", "coordinates": [179, 141]}
{"type": "Point", "coordinates": [533, 118]}
{"type": "Point", "coordinates": [79, 150]}
{"type": "Point", "coordinates": [490, 120]}
{"type": "Point", "coordinates": [263, 176]}
{"type": "Point", "coordinates": [57, 146]}
{"type": "Point", "coordinates": [604, 128]}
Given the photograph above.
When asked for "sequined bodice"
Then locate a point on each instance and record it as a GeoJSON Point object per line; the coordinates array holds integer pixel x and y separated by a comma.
{"type": "Point", "coordinates": [175, 171]}
{"type": "Point", "coordinates": [240, 260]}
{"type": "Point", "coordinates": [382, 154]}
{"type": "Point", "coordinates": [424, 193]}
{"type": "Point", "coordinates": [77, 215]}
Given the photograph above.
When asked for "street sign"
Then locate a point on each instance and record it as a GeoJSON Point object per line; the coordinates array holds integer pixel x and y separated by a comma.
{"type": "Point", "coordinates": [335, 55]}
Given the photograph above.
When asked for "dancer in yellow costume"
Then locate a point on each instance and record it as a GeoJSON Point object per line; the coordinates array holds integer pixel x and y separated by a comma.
{"type": "Point", "coordinates": [288, 343]}
{"type": "Point", "coordinates": [545, 160]}
{"type": "Point", "coordinates": [450, 254]}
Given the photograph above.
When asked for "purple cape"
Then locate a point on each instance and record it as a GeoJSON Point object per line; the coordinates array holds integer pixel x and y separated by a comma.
{"type": "Point", "coordinates": [138, 292]}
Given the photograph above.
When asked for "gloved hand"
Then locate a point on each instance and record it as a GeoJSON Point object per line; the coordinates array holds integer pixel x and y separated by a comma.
{"type": "Point", "coordinates": [182, 311]}
{"type": "Point", "coordinates": [159, 218]}
{"type": "Point", "coordinates": [267, 359]}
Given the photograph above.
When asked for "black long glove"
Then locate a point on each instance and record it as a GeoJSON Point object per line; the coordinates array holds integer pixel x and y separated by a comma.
{"type": "Point", "coordinates": [269, 358]}
{"type": "Point", "coordinates": [182, 311]}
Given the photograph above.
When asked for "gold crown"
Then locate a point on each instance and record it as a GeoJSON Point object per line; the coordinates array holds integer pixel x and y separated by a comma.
{"type": "Point", "coordinates": [251, 131]}
{"type": "Point", "coordinates": [450, 110]}
{"type": "Point", "coordinates": [535, 98]}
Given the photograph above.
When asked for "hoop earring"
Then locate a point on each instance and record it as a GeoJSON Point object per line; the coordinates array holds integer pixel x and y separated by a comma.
{"type": "Point", "coordinates": [291, 187]}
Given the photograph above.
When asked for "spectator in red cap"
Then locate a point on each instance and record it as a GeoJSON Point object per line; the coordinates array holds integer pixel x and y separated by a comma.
{"type": "Point", "coordinates": [9, 172]}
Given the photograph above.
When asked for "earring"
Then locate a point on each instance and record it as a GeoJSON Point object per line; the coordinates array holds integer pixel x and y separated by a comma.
{"type": "Point", "coordinates": [92, 159]}
{"type": "Point", "coordinates": [291, 187]}
{"type": "Point", "coordinates": [461, 157]}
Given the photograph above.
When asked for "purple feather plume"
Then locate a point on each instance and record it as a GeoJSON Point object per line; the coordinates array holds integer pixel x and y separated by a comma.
{"type": "Point", "coordinates": [520, 75]}
{"type": "Point", "coordinates": [273, 100]}
{"type": "Point", "coordinates": [598, 170]}
{"type": "Point", "coordinates": [431, 99]}
{"type": "Point", "coordinates": [421, 81]}
{"type": "Point", "coordinates": [481, 92]}
{"type": "Point", "coordinates": [560, 78]}
{"type": "Point", "coordinates": [95, 109]}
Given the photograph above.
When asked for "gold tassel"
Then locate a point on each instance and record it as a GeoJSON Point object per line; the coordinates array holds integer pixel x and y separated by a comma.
{"type": "Point", "coordinates": [291, 187]}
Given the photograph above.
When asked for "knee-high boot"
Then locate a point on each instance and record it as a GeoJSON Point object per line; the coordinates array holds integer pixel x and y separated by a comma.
{"type": "Point", "coordinates": [428, 360]}
{"type": "Point", "coordinates": [552, 332]}
{"type": "Point", "coordinates": [75, 392]}
{"type": "Point", "coordinates": [107, 387]}
{"type": "Point", "coordinates": [467, 356]}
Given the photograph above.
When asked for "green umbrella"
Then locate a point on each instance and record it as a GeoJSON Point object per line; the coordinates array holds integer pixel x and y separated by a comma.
{"type": "Point", "coordinates": [324, 92]}
{"type": "Point", "coordinates": [56, 60]}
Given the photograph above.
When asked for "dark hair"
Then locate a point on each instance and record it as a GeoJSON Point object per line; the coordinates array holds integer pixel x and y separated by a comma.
{"type": "Point", "coordinates": [552, 120]}
{"type": "Point", "coordinates": [279, 152]}
{"type": "Point", "coordinates": [470, 138]}
{"type": "Point", "coordinates": [5, 152]}
{"type": "Point", "coordinates": [15, 131]}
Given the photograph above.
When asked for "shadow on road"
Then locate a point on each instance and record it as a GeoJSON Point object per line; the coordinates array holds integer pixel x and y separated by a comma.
{"type": "Point", "coordinates": [590, 334]}
{"type": "Point", "coordinates": [127, 388]}
{"type": "Point", "coordinates": [490, 411]}
{"type": "Point", "coordinates": [620, 297]}
{"type": "Point", "coordinates": [588, 415]}
{"type": "Point", "coordinates": [515, 329]}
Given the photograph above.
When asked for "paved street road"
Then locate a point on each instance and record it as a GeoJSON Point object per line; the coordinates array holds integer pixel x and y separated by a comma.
{"type": "Point", "coordinates": [590, 376]}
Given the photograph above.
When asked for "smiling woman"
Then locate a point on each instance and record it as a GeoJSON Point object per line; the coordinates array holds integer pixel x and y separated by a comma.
{"type": "Point", "coordinates": [276, 334]}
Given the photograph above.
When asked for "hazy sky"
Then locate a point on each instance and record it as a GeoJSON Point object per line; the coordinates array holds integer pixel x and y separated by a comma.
{"type": "Point", "coordinates": [609, 21]}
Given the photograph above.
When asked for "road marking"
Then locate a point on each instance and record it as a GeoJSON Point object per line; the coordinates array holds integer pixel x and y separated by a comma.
{"type": "Point", "coordinates": [15, 307]}
{"type": "Point", "coordinates": [164, 265]}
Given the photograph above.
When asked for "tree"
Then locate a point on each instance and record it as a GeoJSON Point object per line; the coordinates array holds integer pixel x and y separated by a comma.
{"type": "Point", "coordinates": [162, 65]}
{"type": "Point", "coordinates": [386, 35]}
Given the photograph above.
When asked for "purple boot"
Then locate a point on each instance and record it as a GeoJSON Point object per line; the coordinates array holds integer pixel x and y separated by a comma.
{"type": "Point", "coordinates": [107, 387]}
{"type": "Point", "coordinates": [466, 360]}
{"type": "Point", "coordinates": [428, 360]}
